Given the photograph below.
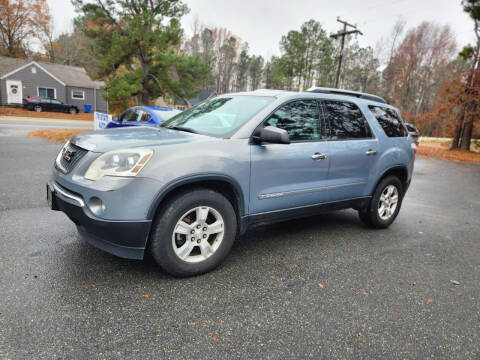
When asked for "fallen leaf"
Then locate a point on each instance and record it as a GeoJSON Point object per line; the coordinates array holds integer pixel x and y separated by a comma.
{"type": "Point", "coordinates": [246, 252]}
{"type": "Point", "coordinates": [459, 294]}
{"type": "Point", "coordinates": [429, 301]}
{"type": "Point", "coordinates": [321, 286]}
{"type": "Point", "coordinates": [451, 289]}
{"type": "Point", "coordinates": [214, 338]}
{"type": "Point", "coordinates": [229, 316]}
{"type": "Point", "coordinates": [273, 277]}
{"type": "Point", "coordinates": [350, 352]}
{"type": "Point", "coordinates": [365, 293]}
{"type": "Point", "coordinates": [146, 295]}
{"type": "Point", "coordinates": [222, 321]}
{"type": "Point", "coordinates": [193, 323]}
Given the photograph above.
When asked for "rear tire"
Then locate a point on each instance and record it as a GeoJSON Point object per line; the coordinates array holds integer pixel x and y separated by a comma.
{"type": "Point", "coordinates": [37, 108]}
{"type": "Point", "coordinates": [384, 205]}
{"type": "Point", "coordinates": [193, 232]}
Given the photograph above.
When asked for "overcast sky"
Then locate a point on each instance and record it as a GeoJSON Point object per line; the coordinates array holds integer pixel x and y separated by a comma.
{"type": "Point", "coordinates": [262, 23]}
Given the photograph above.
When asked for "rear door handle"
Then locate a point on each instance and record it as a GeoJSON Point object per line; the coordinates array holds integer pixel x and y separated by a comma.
{"type": "Point", "coordinates": [318, 156]}
{"type": "Point", "coordinates": [371, 152]}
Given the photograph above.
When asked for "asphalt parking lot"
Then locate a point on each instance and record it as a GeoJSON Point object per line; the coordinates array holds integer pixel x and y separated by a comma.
{"type": "Point", "coordinates": [323, 287]}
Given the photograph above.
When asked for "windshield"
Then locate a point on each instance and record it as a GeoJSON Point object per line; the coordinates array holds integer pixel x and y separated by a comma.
{"type": "Point", "coordinates": [220, 116]}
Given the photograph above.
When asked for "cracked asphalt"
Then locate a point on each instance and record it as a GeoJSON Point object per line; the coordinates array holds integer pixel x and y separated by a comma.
{"type": "Point", "coordinates": [324, 287]}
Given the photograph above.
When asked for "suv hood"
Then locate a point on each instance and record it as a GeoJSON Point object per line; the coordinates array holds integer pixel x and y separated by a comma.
{"type": "Point", "coordinates": [142, 136]}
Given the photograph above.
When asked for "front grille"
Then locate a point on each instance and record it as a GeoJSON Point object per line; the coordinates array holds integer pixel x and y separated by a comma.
{"type": "Point", "coordinates": [69, 157]}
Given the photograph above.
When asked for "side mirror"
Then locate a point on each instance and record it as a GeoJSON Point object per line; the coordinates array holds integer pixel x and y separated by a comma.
{"type": "Point", "coordinates": [411, 128]}
{"type": "Point", "coordinates": [116, 118]}
{"type": "Point", "coordinates": [272, 135]}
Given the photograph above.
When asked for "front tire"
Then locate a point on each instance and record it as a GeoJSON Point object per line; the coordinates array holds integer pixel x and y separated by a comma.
{"type": "Point", "coordinates": [384, 205]}
{"type": "Point", "coordinates": [193, 232]}
{"type": "Point", "coordinates": [37, 108]}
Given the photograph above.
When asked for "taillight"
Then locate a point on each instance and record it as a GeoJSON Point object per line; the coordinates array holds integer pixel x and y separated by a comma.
{"type": "Point", "coordinates": [414, 149]}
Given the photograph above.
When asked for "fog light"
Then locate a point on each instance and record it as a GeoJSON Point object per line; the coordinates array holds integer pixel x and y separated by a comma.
{"type": "Point", "coordinates": [96, 205]}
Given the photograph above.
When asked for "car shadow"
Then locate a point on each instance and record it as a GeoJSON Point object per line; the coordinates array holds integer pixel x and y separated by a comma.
{"type": "Point", "coordinates": [92, 265]}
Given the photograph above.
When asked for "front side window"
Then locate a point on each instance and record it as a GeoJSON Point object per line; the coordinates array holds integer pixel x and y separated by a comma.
{"type": "Point", "coordinates": [129, 115]}
{"type": "Point", "coordinates": [220, 117]}
{"type": "Point", "coordinates": [346, 121]}
{"type": "Point", "coordinates": [389, 121]}
{"type": "Point", "coordinates": [46, 92]}
{"type": "Point", "coordinates": [53, 101]}
{"type": "Point", "coordinates": [299, 118]}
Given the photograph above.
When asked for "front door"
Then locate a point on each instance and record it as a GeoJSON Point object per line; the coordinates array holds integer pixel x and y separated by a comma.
{"type": "Point", "coordinates": [14, 92]}
{"type": "Point", "coordinates": [287, 176]}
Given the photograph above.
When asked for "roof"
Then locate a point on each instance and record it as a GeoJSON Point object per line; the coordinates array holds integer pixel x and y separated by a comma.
{"type": "Point", "coordinates": [69, 75]}
{"type": "Point", "coordinates": [357, 94]}
{"type": "Point", "coordinates": [9, 64]}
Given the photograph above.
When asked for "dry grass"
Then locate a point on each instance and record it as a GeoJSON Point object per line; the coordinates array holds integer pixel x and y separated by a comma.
{"type": "Point", "coordinates": [441, 150]}
{"type": "Point", "coordinates": [56, 135]}
{"type": "Point", "coordinates": [9, 111]}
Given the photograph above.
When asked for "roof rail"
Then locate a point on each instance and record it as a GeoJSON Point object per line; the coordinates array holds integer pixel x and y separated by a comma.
{"type": "Point", "coordinates": [356, 94]}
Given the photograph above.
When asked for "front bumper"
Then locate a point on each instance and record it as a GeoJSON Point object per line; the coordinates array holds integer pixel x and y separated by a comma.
{"type": "Point", "coordinates": [126, 239]}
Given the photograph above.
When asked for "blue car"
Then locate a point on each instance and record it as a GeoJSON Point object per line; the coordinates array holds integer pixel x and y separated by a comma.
{"type": "Point", "coordinates": [186, 189]}
{"type": "Point", "coordinates": [143, 116]}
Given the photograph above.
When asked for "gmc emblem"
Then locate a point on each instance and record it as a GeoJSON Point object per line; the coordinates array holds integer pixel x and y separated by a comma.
{"type": "Point", "coordinates": [67, 154]}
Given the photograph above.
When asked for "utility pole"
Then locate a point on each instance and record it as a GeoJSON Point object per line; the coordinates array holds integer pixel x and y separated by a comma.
{"type": "Point", "coordinates": [342, 35]}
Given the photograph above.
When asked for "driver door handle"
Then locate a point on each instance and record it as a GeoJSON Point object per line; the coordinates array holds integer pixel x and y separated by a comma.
{"type": "Point", "coordinates": [371, 152]}
{"type": "Point", "coordinates": [318, 156]}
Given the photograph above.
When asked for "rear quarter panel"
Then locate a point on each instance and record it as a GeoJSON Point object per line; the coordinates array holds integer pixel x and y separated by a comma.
{"type": "Point", "coordinates": [392, 152]}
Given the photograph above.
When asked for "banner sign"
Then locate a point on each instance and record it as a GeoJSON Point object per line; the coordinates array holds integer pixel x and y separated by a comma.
{"type": "Point", "coordinates": [100, 120]}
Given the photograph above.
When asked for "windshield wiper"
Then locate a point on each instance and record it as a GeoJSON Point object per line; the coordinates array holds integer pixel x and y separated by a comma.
{"type": "Point", "coordinates": [181, 128]}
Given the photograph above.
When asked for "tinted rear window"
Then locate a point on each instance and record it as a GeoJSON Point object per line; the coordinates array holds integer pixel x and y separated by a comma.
{"type": "Point", "coordinates": [389, 121]}
{"type": "Point", "coordinates": [346, 121]}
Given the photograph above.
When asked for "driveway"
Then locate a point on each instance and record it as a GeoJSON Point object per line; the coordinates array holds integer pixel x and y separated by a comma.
{"type": "Point", "coordinates": [322, 287]}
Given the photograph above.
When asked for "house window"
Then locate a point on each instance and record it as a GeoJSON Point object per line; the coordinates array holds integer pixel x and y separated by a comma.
{"type": "Point", "coordinates": [78, 94]}
{"type": "Point", "coordinates": [49, 93]}
{"type": "Point", "coordinates": [34, 70]}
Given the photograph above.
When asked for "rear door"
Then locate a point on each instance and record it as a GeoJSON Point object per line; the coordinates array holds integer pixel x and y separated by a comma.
{"type": "Point", "coordinates": [353, 150]}
{"type": "Point", "coordinates": [57, 105]}
{"type": "Point", "coordinates": [286, 176]}
{"type": "Point", "coordinates": [47, 104]}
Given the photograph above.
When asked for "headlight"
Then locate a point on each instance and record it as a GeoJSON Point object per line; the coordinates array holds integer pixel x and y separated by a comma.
{"type": "Point", "coordinates": [124, 162]}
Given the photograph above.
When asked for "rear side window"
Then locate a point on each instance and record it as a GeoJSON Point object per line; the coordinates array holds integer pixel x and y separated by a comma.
{"type": "Point", "coordinates": [346, 121]}
{"type": "Point", "coordinates": [389, 121]}
{"type": "Point", "coordinates": [300, 119]}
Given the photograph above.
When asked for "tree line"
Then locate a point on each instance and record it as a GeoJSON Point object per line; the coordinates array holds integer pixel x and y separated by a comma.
{"type": "Point", "coordinates": [139, 48]}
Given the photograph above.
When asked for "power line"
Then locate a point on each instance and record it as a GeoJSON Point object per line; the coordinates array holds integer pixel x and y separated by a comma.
{"type": "Point", "coordinates": [341, 34]}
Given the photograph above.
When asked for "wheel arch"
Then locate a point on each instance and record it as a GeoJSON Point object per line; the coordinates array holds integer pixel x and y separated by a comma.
{"type": "Point", "coordinates": [400, 171]}
{"type": "Point", "coordinates": [223, 184]}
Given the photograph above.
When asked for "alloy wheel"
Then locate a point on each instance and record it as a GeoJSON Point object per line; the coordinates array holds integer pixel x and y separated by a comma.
{"type": "Point", "coordinates": [388, 202]}
{"type": "Point", "coordinates": [198, 234]}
